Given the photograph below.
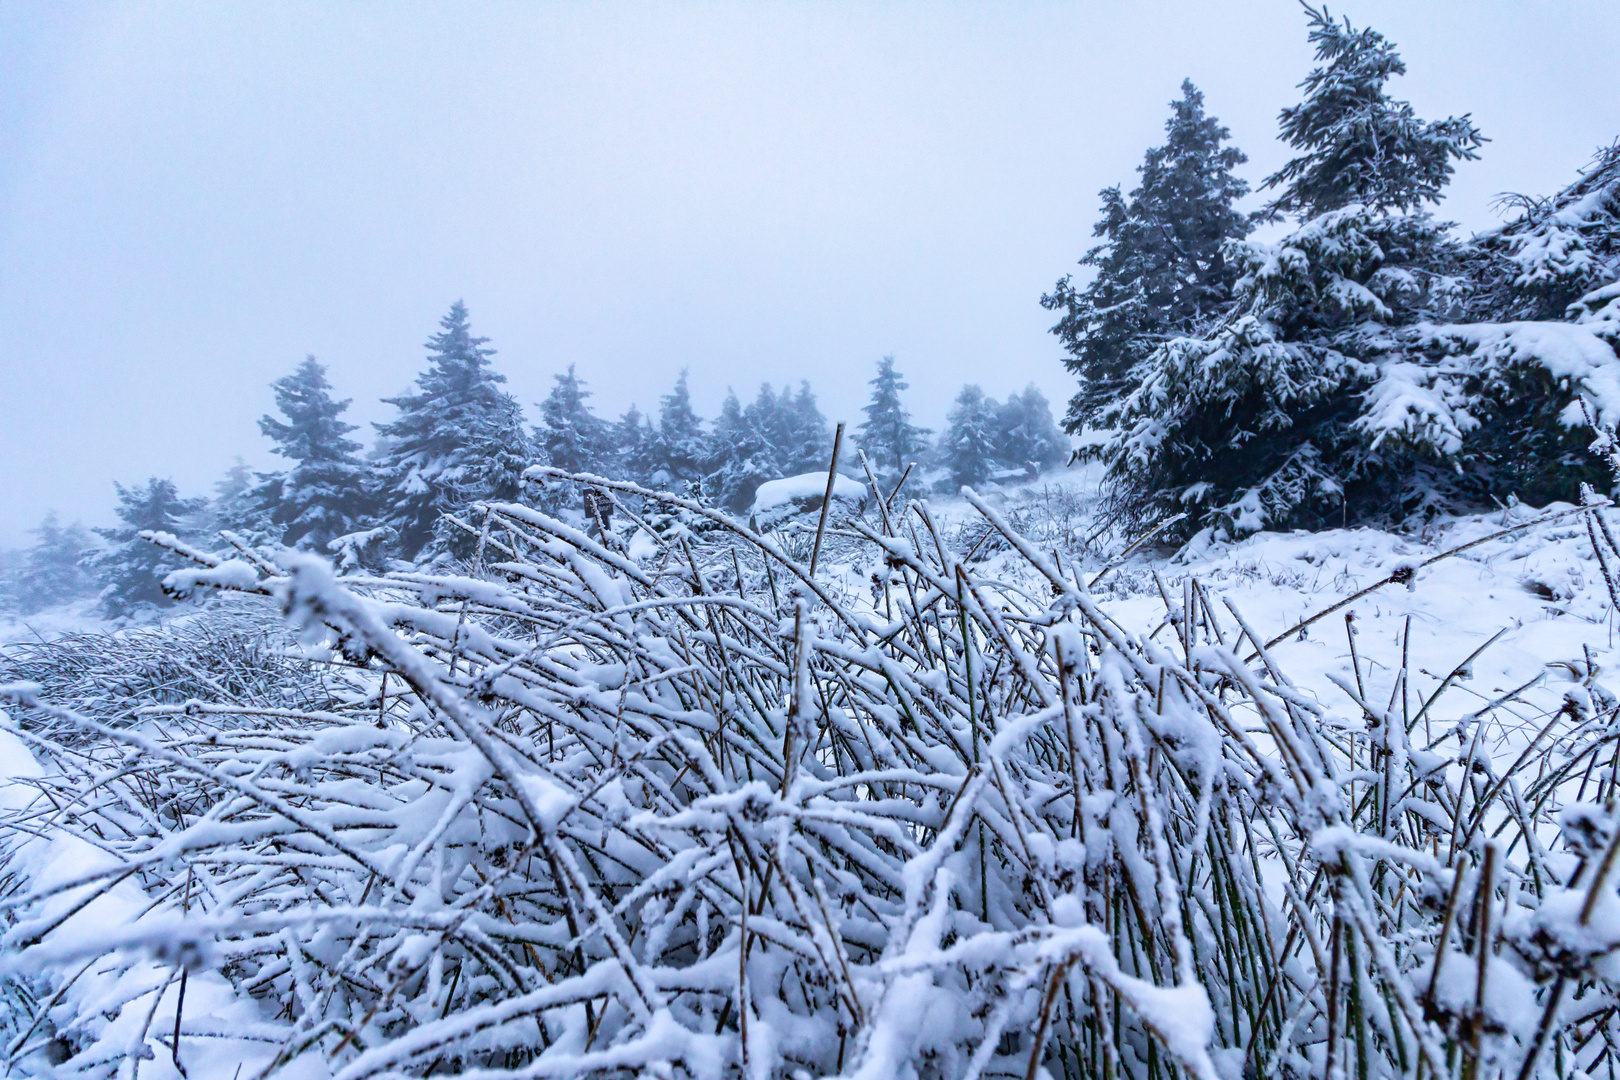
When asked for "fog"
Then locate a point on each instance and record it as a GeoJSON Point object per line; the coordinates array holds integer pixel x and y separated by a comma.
{"type": "Point", "coordinates": [194, 196]}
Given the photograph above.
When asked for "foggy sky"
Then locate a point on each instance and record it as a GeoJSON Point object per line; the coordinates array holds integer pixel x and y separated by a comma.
{"type": "Point", "coordinates": [194, 196]}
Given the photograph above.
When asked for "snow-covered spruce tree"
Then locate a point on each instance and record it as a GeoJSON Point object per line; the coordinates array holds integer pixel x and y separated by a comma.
{"type": "Point", "coordinates": [769, 423]}
{"type": "Point", "coordinates": [1308, 403]}
{"type": "Point", "coordinates": [888, 436]}
{"type": "Point", "coordinates": [323, 494]}
{"type": "Point", "coordinates": [1554, 252]}
{"type": "Point", "coordinates": [1026, 435]}
{"type": "Point", "coordinates": [132, 571]}
{"type": "Point", "coordinates": [678, 447]}
{"type": "Point", "coordinates": [570, 436]}
{"type": "Point", "coordinates": [240, 502]}
{"type": "Point", "coordinates": [1359, 144]}
{"type": "Point", "coordinates": [1161, 270]}
{"type": "Point", "coordinates": [12, 561]}
{"type": "Point", "coordinates": [458, 441]}
{"type": "Point", "coordinates": [969, 444]}
{"type": "Point", "coordinates": [55, 569]}
{"type": "Point", "coordinates": [1543, 299]}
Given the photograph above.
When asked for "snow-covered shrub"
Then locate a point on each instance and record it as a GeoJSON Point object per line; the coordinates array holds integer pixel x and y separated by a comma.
{"type": "Point", "coordinates": [233, 650]}
{"type": "Point", "coordinates": [584, 815]}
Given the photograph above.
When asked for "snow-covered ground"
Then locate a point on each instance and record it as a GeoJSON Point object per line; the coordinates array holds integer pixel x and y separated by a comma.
{"type": "Point", "coordinates": [1538, 593]}
{"type": "Point", "coordinates": [52, 622]}
{"type": "Point", "coordinates": [1532, 604]}
{"type": "Point", "coordinates": [1539, 587]}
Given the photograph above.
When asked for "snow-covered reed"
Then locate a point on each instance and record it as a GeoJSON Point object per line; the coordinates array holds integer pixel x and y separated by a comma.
{"type": "Point", "coordinates": [704, 815]}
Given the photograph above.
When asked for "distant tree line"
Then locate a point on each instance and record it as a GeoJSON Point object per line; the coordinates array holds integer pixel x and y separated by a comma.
{"type": "Point", "coordinates": [460, 438]}
{"type": "Point", "coordinates": [1369, 366]}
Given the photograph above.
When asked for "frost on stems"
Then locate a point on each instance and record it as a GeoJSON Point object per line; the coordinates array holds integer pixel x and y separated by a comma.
{"type": "Point", "coordinates": [704, 815]}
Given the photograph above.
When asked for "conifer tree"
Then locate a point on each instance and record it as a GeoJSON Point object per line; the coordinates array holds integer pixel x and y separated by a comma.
{"type": "Point", "coordinates": [570, 435]}
{"type": "Point", "coordinates": [1161, 270]}
{"type": "Point", "coordinates": [132, 571]}
{"type": "Point", "coordinates": [12, 586]}
{"type": "Point", "coordinates": [323, 494]}
{"type": "Point", "coordinates": [806, 445]}
{"type": "Point", "coordinates": [1026, 435]}
{"type": "Point", "coordinates": [1542, 310]}
{"type": "Point", "coordinates": [1553, 252]}
{"type": "Point", "coordinates": [240, 503]}
{"type": "Point", "coordinates": [740, 459]}
{"type": "Point", "coordinates": [1309, 404]}
{"type": "Point", "coordinates": [1360, 145]}
{"type": "Point", "coordinates": [633, 446]}
{"type": "Point", "coordinates": [887, 434]}
{"type": "Point", "coordinates": [768, 426]}
{"type": "Point", "coordinates": [969, 444]}
{"type": "Point", "coordinates": [678, 449]}
{"type": "Point", "coordinates": [458, 441]}
{"type": "Point", "coordinates": [55, 569]}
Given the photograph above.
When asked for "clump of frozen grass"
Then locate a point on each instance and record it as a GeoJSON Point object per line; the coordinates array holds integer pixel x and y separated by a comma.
{"type": "Point", "coordinates": [235, 650]}
{"type": "Point", "coordinates": [701, 816]}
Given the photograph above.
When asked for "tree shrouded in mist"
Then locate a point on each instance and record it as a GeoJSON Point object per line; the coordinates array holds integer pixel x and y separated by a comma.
{"type": "Point", "coordinates": [457, 441]}
{"type": "Point", "coordinates": [1027, 436]}
{"type": "Point", "coordinates": [633, 445]}
{"type": "Point", "coordinates": [571, 436]}
{"type": "Point", "coordinates": [968, 445]}
{"type": "Point", "coordinates": [888, 436]}
{"type": "Point", "coordinates": [55, 569]}
{"type": "Point", "coordinates": [323, 494]}
{"type": "Point", "coordinates": [740, 460]}
{"type": "Point", "coordinates": [132, 570]}
{"type": "Point", "coordinates": [678, 447]}
{"type": "Point", "coordinates": [806, 444]}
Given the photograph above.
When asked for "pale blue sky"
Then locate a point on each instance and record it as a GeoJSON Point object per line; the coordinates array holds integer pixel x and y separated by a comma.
{"type": "Point", "coordinates": [195, 195]}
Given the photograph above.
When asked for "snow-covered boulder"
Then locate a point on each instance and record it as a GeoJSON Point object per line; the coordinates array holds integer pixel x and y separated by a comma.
{"type": "Point", "coordinates": [777, 501]}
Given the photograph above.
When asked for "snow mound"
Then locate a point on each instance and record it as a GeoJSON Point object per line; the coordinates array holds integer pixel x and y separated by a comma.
{"type": "Point", "coordinates": [798, 494]}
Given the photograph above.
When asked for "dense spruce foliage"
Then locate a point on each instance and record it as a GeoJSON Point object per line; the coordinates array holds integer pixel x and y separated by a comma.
{"type": "Point", "coordinates": [1369, 365]}
{"type": "Point", "coordinates": [1161, 271]}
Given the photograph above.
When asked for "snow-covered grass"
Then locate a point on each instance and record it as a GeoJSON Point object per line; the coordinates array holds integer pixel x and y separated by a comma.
{"type": "Point", "coordinates": [976, 799]}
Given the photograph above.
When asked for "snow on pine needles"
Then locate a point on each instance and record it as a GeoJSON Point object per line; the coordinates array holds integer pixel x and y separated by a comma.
{"type": "Point", "coordinates": [974, 801]}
